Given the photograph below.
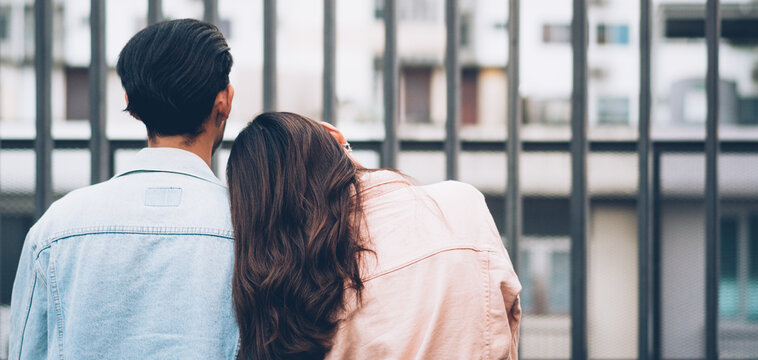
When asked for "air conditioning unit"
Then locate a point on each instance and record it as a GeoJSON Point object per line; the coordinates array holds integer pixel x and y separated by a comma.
{"type": "Point", "coordinates": [597, 3]}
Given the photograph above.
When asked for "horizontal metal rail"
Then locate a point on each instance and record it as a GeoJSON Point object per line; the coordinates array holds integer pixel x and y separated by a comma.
{"type": "Point", "coordinates": [622, 146]}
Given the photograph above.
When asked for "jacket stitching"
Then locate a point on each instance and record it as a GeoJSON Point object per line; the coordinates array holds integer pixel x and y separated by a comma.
{"type": "Point", "coordinates": [424, 257]}
{"type": "Point", "coordinates": [487, 290]}
{"type": "Point", "coordinates": [131, 231]}
{"type": "Point", "coordinates": [26, 319]}
{"type": "Point", "coordinates": [178, 172]}
{"type": "Point", "coordinates": [38, 272]}
{"type": "Point", "coordinates": [58, 309]}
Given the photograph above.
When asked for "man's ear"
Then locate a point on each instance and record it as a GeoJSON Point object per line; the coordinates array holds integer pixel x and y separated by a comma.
{"type": "Point", "coordinates": [336, 134]}
{"type": "Point", "coordinates": [126, 98]}
{"type": "Point", "coordinates": [223, 103]}
{"type": "Point", "coordinates": [229, 97]}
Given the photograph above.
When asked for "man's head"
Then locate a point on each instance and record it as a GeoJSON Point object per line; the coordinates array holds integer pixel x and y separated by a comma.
{"type": "Point", "coordinates": [176, 76]}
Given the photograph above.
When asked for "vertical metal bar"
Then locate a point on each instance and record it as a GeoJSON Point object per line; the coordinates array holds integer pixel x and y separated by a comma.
{"type": "Point", "coordinates": [391, 145]}
{"type": "Point", "coordinates": [99, 154]}
{"type": "Point", "coordinates": [210, 15]}
{"type": "Point", "coordinates": [713, 35]}
{"type": "Point", "coordinates": [330, 63]}
{"type": "Point", "coordinates": [154, 11]}
{"type": "Point", "coordinates": [211, 11]}
{"type": "Point", "coordinates": [269, 55]}
{"type": "Point", "coordinates": [330, 80]}
{"type": "Point", "coordinates": [453, 76]}
{"type": "Point", "coordinates": [513, 145]}
{"type": "Point", "coordinates": [655, 288]}
{"type": "Point", "coordinates": [43, 65]}
{"type": "Point", "coordinates": [644, 198]}
{"type": "Point", "coordinates": [579, 197]}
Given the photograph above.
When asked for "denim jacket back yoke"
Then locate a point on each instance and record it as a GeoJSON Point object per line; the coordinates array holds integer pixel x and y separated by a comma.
{"type": "Point", "coordinates": [137, 267]}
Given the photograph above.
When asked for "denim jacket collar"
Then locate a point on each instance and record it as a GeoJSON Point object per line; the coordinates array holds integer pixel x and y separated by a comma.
{"type": "Point", "coordinates": [171, 160]}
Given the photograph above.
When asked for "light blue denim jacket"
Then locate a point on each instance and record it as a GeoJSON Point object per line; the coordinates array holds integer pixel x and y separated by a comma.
{"type": "Point", "coordinates": [137, 267]}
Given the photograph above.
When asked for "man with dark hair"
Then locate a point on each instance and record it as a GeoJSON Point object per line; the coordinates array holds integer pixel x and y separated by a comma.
{"type": "Point", "coordinates": [139, 266]}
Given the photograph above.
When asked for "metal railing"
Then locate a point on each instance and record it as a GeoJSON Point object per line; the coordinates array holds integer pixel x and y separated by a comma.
{"type": "Point", "coordinates": [649, 151]}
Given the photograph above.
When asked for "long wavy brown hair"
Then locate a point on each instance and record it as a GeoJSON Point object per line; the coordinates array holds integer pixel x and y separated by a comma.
{"type": "Point", "coordinates": [296, 210]}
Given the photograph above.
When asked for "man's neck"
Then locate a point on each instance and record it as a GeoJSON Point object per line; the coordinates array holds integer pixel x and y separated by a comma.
{"type": "Point", "coordinates": [198, 146]}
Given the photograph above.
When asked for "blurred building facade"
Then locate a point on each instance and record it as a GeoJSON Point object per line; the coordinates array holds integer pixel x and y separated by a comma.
{"type": "Point", "coordinates": [679, 112]}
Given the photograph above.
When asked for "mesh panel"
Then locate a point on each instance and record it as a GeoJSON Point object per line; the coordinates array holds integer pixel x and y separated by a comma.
{"type": "Point", "coordinates": [545, 252]}
{"type": "Point", "coordinates": [738, 283]}
{"type": "Point", "coordinates": [682, 256]}
{"type": "Point", "coordinates": [612, 289]}
{"type": "Point", "coordinates": [4, 325]}
{"type": "Point", "coordinates": [16, 212]}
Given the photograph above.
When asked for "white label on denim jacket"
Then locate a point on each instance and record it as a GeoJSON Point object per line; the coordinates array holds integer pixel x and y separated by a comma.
{"type": "Point", "coordinates": [163, 196]}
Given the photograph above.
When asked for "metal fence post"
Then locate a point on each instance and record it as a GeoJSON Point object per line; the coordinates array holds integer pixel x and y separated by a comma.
{"type": "Point", "coordinates": [579, 198]}
{"type": "Point", "coordinates": [391, 145]}
{"type": "Point", "coordinates": [644, 198]}
{"type": "Point", "coordinates": [269, 55]}
{"type": "Point", "coordinates": [655, 259]}
{"type": "Point", "coordinates": [210, 14]}
{"type": "Point", "coordinates": [43, 64]}
{"type": "Point", "coordinates": [513, 144]}
{"type": "Point", "coordinates": [154, 11]}
{"type": "Point", "coordinates": [453, 78]}
{"type": "Point", "coordinates": [330, 77]}
{"type": "Point", "coordinates": [99, 153]}
{"type": "Point", "coordinates": [712, 219]}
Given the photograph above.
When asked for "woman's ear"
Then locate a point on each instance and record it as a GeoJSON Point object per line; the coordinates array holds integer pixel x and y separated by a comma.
{"type": "Point", "coordinates": [336, 134]}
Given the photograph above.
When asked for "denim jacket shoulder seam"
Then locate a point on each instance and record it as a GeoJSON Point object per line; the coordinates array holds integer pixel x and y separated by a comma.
{"type": "Point", "coordinates": [58, 307]}
{"type": "Point", "coordinates": [487, 307]}
{"type": "Point", "coordinates": [133, 230]}
{"type": "Point", "coordinates": [28, 308]}
{"type": "Point", "coordinates": [39, 272]}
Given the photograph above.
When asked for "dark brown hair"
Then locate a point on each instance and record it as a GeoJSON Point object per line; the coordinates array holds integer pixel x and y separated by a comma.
{"type": "Point", "coordinates": [295, 203]}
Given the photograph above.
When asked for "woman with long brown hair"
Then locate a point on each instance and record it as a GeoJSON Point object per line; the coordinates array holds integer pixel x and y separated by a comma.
{"type": "Point", "coordinates": [334, 260]}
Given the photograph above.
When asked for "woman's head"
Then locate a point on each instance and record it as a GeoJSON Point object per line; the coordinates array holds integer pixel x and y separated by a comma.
{"type": "Point", "coordinates": [295, 204]}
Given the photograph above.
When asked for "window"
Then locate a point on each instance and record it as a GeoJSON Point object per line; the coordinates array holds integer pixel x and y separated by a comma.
{"type": "Point", "coordinates": [739, 23]}
{"type": "Point", "coordinates": [525, 276]}
{"type": "Point", "coordinates": [556, 34]}
{"type": "Point", "coordinates": [613, 110]}
{"type": "Point", "coordinates": [547, 111]}
{"type": "Point", "coordinates": [5, 19]}
{"type": "Point", "coordinates": [465, 39]}
{"type": "Point", "coordinates": [688, 102]}
{"type": "Point", "coordinates": [738, 285]}
{"type": "Point", "coordinates": [379, 9]}
{"type": "Point", "coordinates": [749, 110]}
{"type": "Point", "coordinates": [544, 268]}
{"type": "Point", "coordinates": [417, 93]}
{"type": "Point", "coordinates": [415, 10]}
{"type": "Point", "coordinates": [560, 282]}
{"type": "Point", "coordinates": [752, 278]}
{"type": "Point", "coordinates": [469, 96]}
{"type": "Point", "coordinates": [77, 93]}
{"type": "Point", "coordinates": [728, 287]}
{"type": "Point", "coordinates": [58, 31]}
{"type": "Point", "coordinates": [613, 34]}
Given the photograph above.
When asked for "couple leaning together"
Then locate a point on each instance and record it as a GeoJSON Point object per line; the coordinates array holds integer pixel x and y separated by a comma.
{"type": "Point", "coordinates": [306, 254]}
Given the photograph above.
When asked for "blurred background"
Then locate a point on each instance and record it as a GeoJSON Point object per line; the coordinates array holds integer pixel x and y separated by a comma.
{"type": "Point", "coordinates": [678, 118]}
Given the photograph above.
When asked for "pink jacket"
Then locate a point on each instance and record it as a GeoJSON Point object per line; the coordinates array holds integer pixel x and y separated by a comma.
{"type": "Point", "coordinates": [440, 285]}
